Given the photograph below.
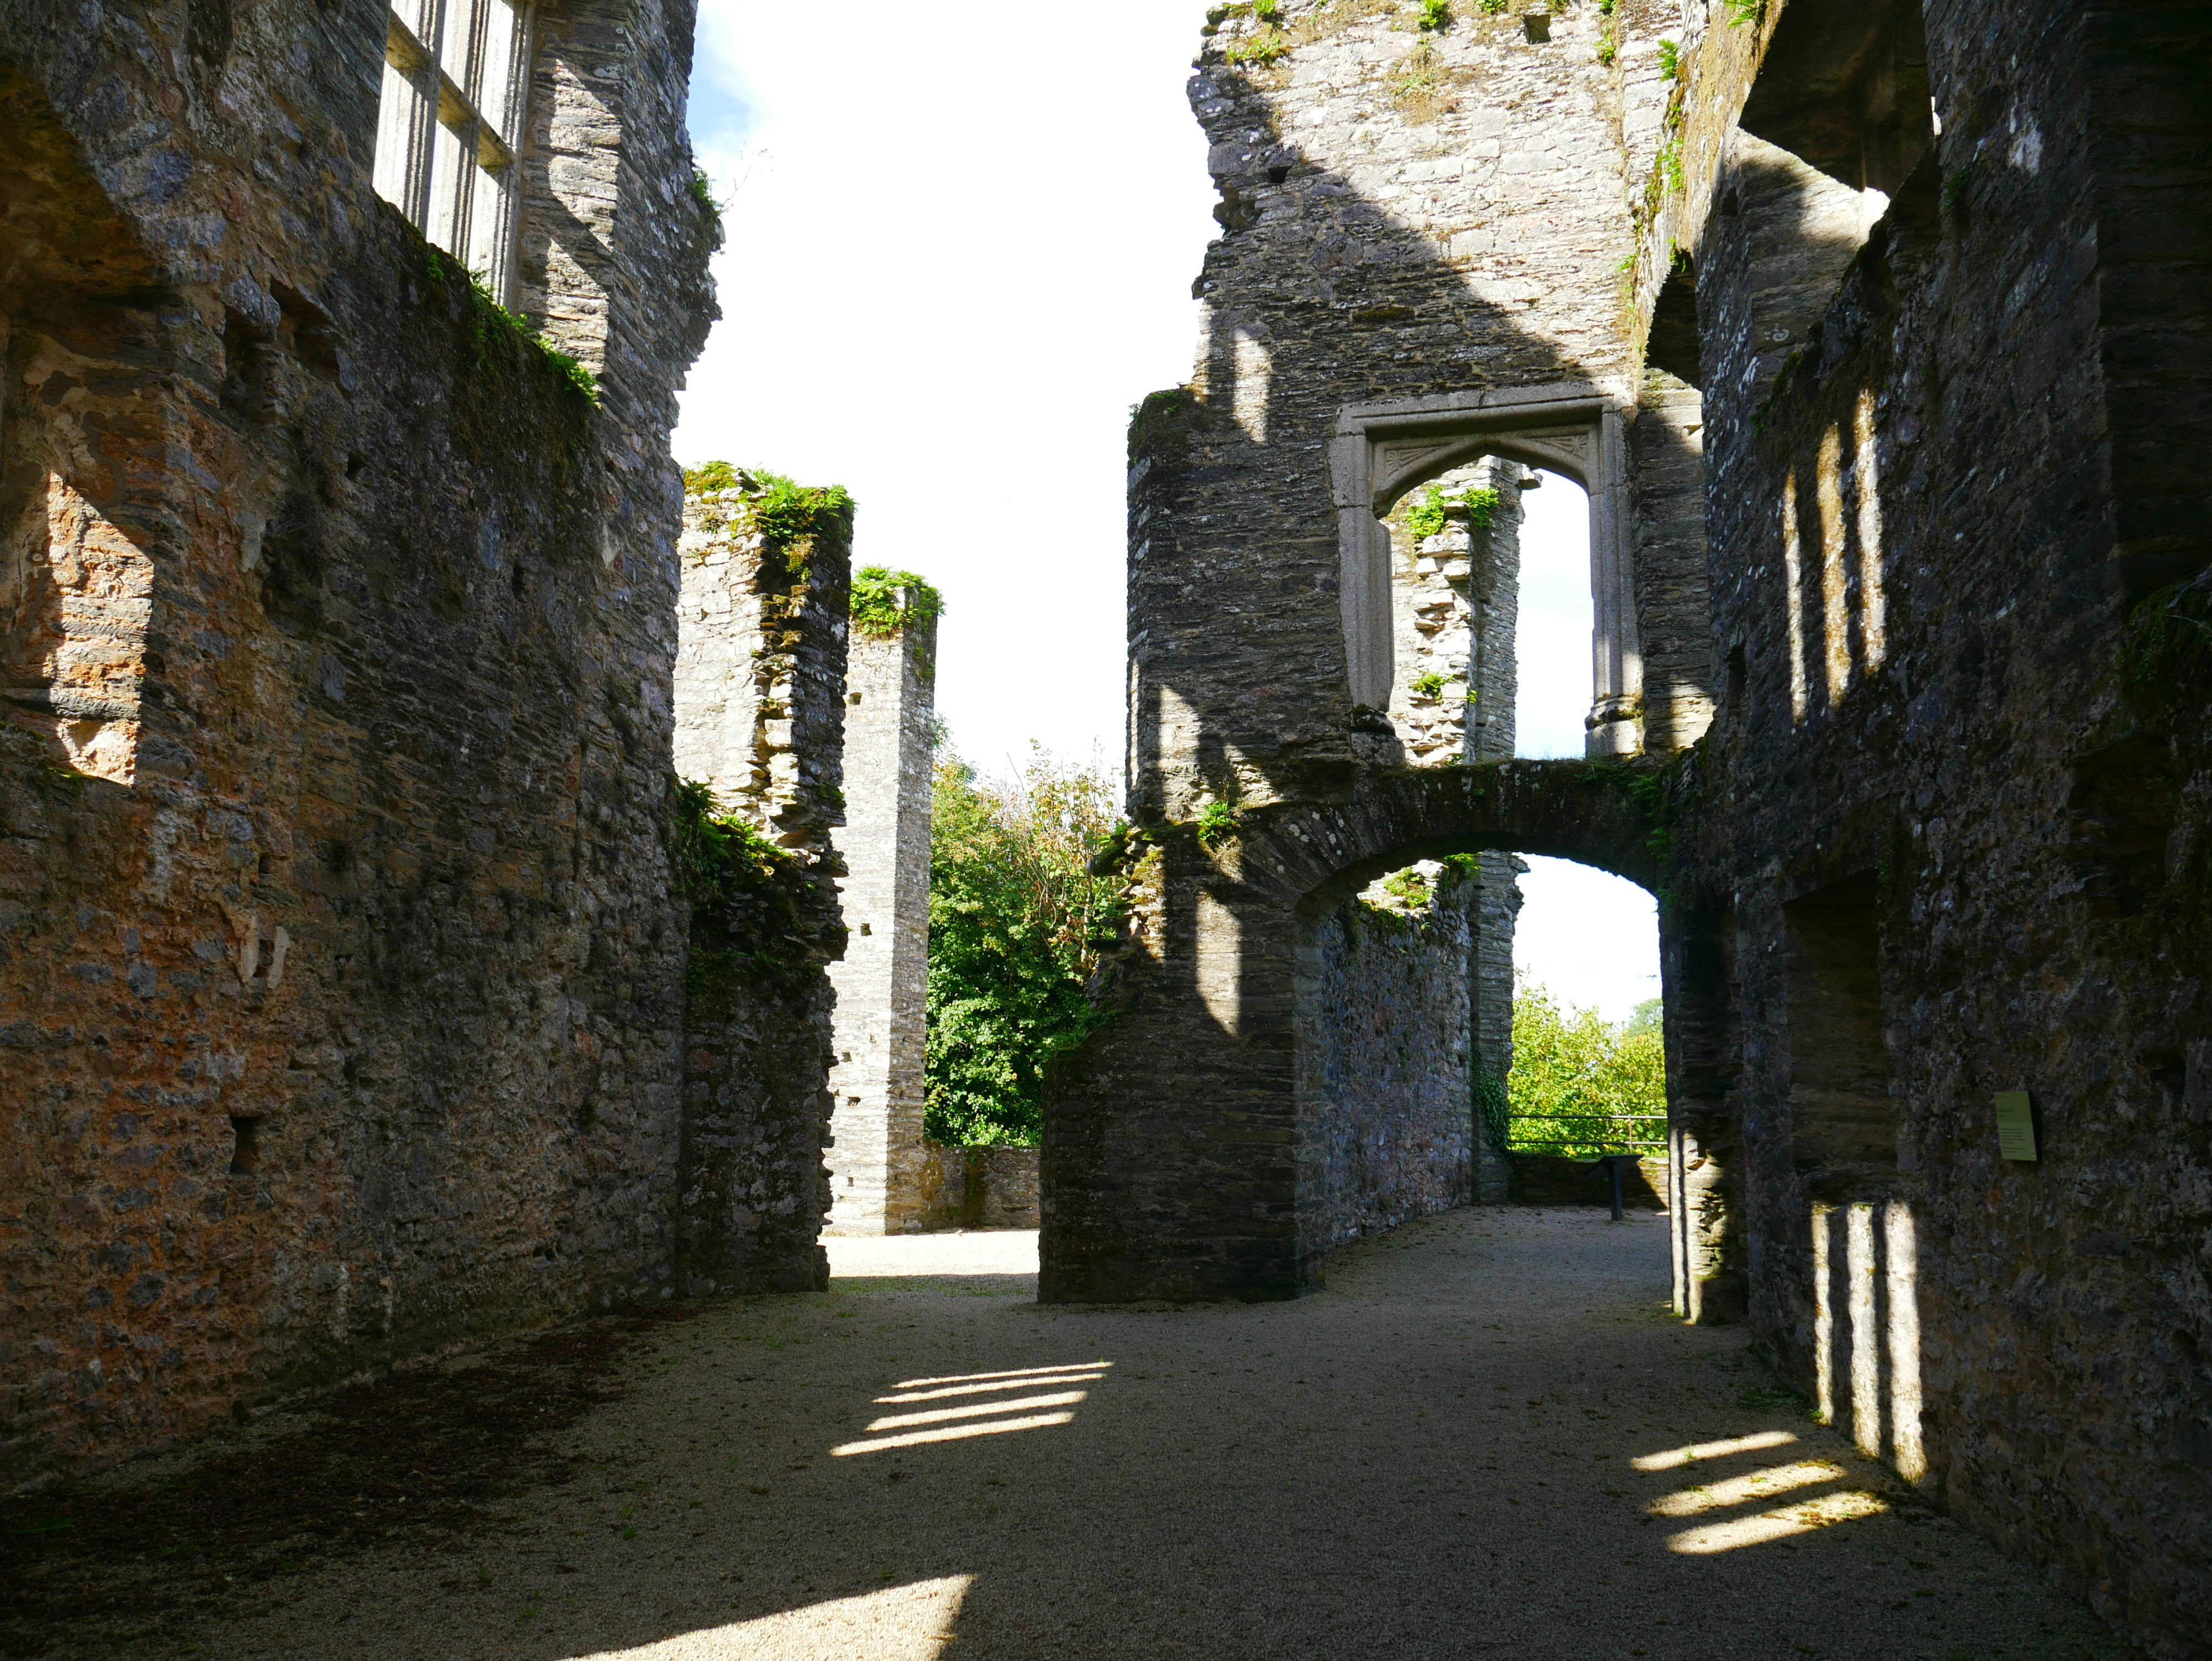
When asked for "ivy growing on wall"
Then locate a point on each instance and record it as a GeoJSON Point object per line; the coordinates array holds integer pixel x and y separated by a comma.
{"type": "Point", "coordinates": [751, 903]}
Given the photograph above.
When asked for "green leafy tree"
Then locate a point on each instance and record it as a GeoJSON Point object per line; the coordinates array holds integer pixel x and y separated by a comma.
{"type": "Point", "coordinates": [1581, 1086]}
{"type": "Point", "coordinates": [1015, 924]}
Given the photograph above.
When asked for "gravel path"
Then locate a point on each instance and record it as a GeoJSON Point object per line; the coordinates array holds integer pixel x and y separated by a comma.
{"type": "Point", "coordinates": [1471, 1444]}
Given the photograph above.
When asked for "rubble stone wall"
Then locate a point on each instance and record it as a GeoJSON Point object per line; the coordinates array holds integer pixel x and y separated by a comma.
{"type": "Point", "coordinates": [342, 968]}
{"type": "Point", "coordinates": [1915, 293]}
{"type": "Point", "coordinates": [1950, 819]}
{"type": "Point", "coordinates": [978, 1187]}
{"type": "Point", "coordinates": [760, 679]}
{"type": "Point", "coordinates": [1385, 1067]}
{"type": "Point", "coordinates": [882, 984]}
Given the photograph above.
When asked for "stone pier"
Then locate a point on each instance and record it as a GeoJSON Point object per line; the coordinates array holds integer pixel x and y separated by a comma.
{"type": "Point", "coordinates": [876, 1154]}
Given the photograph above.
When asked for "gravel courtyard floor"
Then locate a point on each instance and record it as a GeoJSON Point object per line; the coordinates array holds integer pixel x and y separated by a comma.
{"type": "Point", "coordinates": [1477, 1441]}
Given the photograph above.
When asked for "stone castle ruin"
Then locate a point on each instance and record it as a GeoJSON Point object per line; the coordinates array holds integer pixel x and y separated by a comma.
{"type": "Point", "coordinates": [454, 878]}
{"type": "Point", "coordinates": [367, 985]}
{"type": "Point", "coordinates": [1876, 335]}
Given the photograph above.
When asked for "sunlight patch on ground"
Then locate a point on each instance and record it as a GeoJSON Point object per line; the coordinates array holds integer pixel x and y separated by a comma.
{"type": "Point", "coordinates": [1061, 1398]}
{"type": "Point", "coordinates": [1011, 1411]}
{"type": "Point", "coordinates": [901, 1624]}
{"type": "Point", "coordinates": [1674, 1459]}
{"type": "Point", "coordinates": [1747, 1489]}
{"type": "Point", "coordinates": [1088, 1372]}
{"type": "Point", "coordinates": [954, 1433]}
{"type": "Point", "coordinates": [1769, 1526]}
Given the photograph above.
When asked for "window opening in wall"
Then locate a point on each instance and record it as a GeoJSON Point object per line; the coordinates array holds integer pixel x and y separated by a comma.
{"type": "Point", "coordinates": [1589, 1076]}
{"type": "Point", "coordinates": [1454, 571]}
{"type": "Point", "coordinates": [1843, 1121]}
{"type": "Point", "coordinates": [1555, 628]}
{"type": "Point", "coordinates": [245, 1145]}
{"type": "Point", "coordinates": [449, 127]}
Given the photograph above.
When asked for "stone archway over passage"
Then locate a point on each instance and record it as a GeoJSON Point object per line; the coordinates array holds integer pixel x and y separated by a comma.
{"type": "Point", "coordinates": [1177, 1162]}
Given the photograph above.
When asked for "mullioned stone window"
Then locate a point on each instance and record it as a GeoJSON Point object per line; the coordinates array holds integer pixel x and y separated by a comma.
{"type": "Point", "coordinates": [449, 126]}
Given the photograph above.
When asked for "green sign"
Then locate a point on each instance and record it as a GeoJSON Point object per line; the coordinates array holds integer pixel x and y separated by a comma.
{"type": "Point", "coordinates": [2016, 1126]}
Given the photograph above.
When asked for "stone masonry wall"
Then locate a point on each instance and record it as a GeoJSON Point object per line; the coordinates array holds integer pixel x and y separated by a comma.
{"type": "Point", "coordinates": [1918, 291]}
{"type": "Point", "coordinates": [1948, 827]}
{"type": "Point", "coordinates": [342, 965]}
{"type": "Point", "coordinates": [759, 702]}
{"type": "Point", "coordinates": [1405, 214]}
{"type": "Point", "coordinates": [1385, 1055]}
{"type": "Point", "coordinates": [881, 984]}
{"type": "Point", "coordinates": [978, 1188]}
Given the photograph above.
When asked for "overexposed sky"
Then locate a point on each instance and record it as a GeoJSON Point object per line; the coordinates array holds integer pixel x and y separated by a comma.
{"type": "Point", "coordinates": [961, 246]}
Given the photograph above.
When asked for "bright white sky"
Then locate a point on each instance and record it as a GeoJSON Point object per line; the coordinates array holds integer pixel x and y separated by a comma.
{"type": "Point", "coordinates": [961, 246]}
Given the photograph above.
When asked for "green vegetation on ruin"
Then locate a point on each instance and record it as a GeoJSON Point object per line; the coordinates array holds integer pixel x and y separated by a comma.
{"type": "Point", "coordinates": [1022, 904]}
{"type": "Point", "coordinates": [489, 321]}
{"type": "Point", "coordinates": [1217, 822]}
{"type": "Point", "coordinates": [749, 898]}
{"type": "Point", "coordinates": [1670, 60]}
{"type": "Point", "coordinates": [710, 476]}
{"type": "Point", "coordinates": [1435, 15]}
{"type": "Point", "coordinates": [2165, 656]}
{"type": "Point", "coordinates": [1426, 516]}
{"type": "Point", "coordinates": [887, 602]}
{"type": "Point", "coordinates": [710, 210]}
{"type": "Point", "coordinates": [788, 517]}
{"type": "Point", "coordinates": [717, 855]}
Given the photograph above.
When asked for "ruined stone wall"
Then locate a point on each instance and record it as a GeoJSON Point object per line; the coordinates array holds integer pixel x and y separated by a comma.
{"type": "Point", "coordinates": [881, 984]}
{"type": "Point", "coordinates": [759, 686]}
{"type": "Point", "coordinates": [1405, 215]}
{"type": "Point", "coordinates": [1422, 229]}
{"type": "Point", "coordinates": [977, 1188]}
{"type": "Point", "coordinates": [1386, 1019]}
{"type": "Point", "coordinates": [1454, 599]}
{"type": "Point", "coordinates": [1944, 839]}
{"type": "Point", "coordinates": [341, 969]}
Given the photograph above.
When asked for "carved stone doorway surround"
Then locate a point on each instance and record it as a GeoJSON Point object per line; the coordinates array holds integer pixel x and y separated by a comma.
{"type": "Point", "coordinates": [1380, 450]}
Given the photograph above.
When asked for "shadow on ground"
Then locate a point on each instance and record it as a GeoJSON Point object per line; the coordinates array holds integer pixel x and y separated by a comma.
{"type": "Point", "coordinates": [1486, 1436]}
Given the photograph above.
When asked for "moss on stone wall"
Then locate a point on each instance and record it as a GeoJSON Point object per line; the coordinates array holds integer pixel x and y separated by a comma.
{"type": "Point", "coordinates": [788, 517]}
{"type": "Point", "coordinates": [754, 912]}
{"type": "Point", "coordinates": [887, 602]}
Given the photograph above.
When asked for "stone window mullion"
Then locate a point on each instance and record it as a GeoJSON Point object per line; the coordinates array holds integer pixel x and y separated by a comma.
{"type": "Point", "coordinates": [455, 75]}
